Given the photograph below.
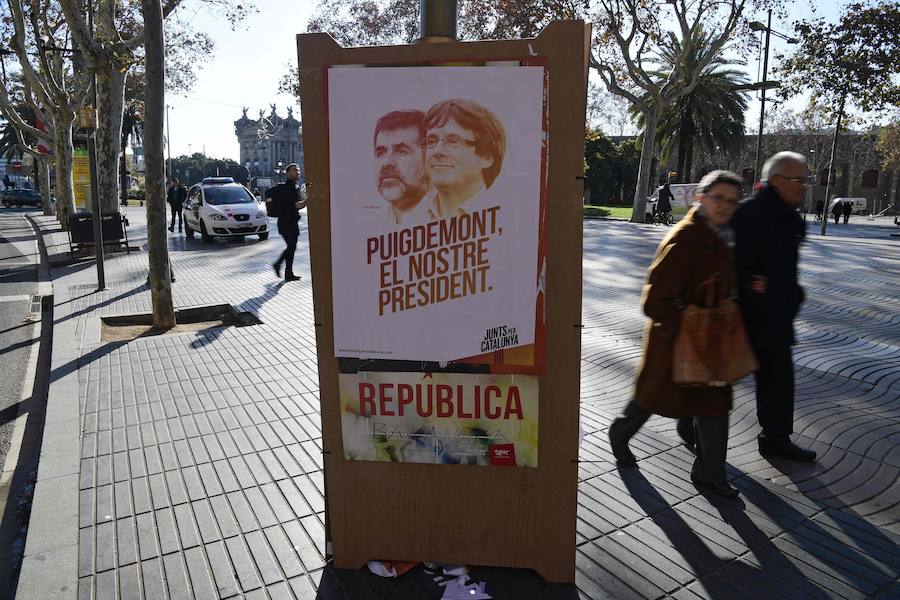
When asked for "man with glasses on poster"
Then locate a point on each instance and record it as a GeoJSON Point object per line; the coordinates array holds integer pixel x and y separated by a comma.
{"type": "Point", "coordinates": [464, 148]}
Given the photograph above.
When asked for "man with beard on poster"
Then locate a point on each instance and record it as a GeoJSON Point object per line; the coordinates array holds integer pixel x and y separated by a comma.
{"type": "Point", "coordinates": [400, 165]}
{"type": "Point", "coordinates": [464, 148]}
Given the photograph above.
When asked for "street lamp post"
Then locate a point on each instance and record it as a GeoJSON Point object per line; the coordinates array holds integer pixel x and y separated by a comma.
{"type": "Point", "coordinates": [757, 26]}
{"type": "Point", "coordinates": [95, 188]}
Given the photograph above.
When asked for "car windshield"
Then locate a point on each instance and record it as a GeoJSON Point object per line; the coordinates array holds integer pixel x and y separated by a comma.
{"type": "Point", "coordinates": [227, 194]}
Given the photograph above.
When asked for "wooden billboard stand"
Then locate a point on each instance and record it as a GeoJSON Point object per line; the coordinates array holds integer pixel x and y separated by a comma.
{"type": "Point", "coordinates": [462, 514]}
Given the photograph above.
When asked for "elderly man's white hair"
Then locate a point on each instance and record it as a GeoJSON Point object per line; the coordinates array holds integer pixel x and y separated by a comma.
{"type": "Point", "coordinates": [776, 163]}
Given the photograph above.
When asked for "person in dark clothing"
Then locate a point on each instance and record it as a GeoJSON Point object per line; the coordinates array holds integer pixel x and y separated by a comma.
{"type": "Point", "coordinates": [847, 209]}
{"type": "Point", "coordinates": [7, 182]}
{"type": "Point", "coordinates": [768, 234]}
{"type": "Point", "coordinates": [665, 200]}
{"type": "Point", "coordinates": [175, 197]}
{"type": "Point", "coordinates": [836, 211]}
{"type": "Point", "coordinates": [284, 201]}
{"type": "Point", "coordinates": [820, 209]}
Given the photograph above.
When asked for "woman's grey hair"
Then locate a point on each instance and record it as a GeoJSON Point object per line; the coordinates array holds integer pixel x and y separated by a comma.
{"type": "Point", "coordinates": [775, 164]}
{"type": "Point", "coordinates": [714, 178]}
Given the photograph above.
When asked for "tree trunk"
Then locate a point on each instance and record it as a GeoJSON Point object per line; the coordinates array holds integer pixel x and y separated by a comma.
{"type": "Point", "coordinates": [43, 166]}
{"type": "Point", "coordinates": [63, 149]}
{"type": "Point", "coordinates": [689, 161]}
{"type": "Point", "coordinates": [892, 196]}
{"type": "Point", "coordinates": [832, 168]}
{"type": "Point", "coordinates": [111, 106]}
{"type": "Point", "coordinates": [154, 161]}
{"type": "Point", "coordinates": [123, 179]}
{"type": "Point", "coordinates": [639, 205]}
{"type": "Point", "coordinates": [682, 152]}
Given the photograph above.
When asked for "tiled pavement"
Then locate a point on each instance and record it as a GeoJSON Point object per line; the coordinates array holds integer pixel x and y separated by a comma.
{"type": "Point", "coordinates": [200, 470]}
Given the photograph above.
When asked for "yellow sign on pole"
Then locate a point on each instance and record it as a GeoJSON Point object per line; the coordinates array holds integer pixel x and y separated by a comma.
{"type": "Point", "coordinates": [81, 178]}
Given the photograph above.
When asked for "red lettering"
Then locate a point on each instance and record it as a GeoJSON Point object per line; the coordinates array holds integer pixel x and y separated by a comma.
{"type": "Point", "coordinates": [444, 400]}
{"type": "Point", "coordinates": [513, 403]}
{"type": "Point", "coordinates": [366, 398]}
{"type": "Point", "coordinates": [477, 401]}
{"type": "Point", "coordinates": [404, 396]}
{"type": "Point", "coordinates": [461, 403]}
{"type": "Point", "coordinates": [384, 398]}
{"type": "Point", "coordinates": [491, 392]}
{"type": "Point", "coordinates": [420, 408]}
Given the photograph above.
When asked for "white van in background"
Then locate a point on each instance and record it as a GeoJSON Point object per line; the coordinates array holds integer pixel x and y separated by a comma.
{"type": "Point", "coordinates": [860, 205]}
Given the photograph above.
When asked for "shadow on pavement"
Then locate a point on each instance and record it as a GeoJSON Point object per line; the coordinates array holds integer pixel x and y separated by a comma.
{"type": "Point", "coordinates": [708, 568]}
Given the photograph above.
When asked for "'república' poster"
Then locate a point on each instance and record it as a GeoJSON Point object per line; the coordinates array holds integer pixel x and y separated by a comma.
{"type": "Point", "coordinates": [440, 418]}
{"type": "Point", "coordinates": [437, 203]}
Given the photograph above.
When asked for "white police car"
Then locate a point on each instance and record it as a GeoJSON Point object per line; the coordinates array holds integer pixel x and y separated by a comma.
{"type": "Point", "coordinates": [219, 207]}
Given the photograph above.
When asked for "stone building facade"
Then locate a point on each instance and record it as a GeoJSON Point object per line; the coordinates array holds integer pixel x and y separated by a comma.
{"type": "Point", "coordinates": [859, 165]}
{"type": "Point", "coordinates": [270, 143]}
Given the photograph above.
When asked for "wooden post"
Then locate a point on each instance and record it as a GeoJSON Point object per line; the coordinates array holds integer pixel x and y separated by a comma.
{"type": "Point", "coordinates": [462, 514]}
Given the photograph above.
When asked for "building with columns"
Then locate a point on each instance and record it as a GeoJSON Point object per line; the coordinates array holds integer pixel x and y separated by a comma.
{"type": "Point", "coordinates": [270, 143]}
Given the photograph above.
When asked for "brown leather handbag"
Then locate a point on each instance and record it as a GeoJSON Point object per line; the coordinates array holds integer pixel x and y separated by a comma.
{"type": "Point", "coordinates": [712, 349]}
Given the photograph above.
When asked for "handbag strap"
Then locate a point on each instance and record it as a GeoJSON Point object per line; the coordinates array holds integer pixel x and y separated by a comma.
{"type": "Point", "coordinates": [712, 288]}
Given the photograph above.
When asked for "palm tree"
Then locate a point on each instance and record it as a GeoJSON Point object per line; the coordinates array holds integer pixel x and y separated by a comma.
{"type": "Point", "coordinates": [132, 129]}
{"type": "Point", "coordinates": [711, 115]}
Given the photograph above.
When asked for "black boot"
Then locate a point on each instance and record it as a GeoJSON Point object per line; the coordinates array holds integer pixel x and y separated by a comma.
{"type": "Point", "coordinates": [621, 431]}
{"type": "Point", "coordinates": [708, 472]}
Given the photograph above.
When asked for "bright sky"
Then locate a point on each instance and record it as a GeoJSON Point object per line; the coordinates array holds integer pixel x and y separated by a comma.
{"type": "Point", "coordinates": [244, 72]}
{"type": "Point", "coordinates": [249, 62]}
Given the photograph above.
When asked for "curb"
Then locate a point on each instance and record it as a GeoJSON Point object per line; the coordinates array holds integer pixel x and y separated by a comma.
{"type": "Point", "coordinates": [21, 463]}
{"type": "Point", "coordinates": [50, 564]}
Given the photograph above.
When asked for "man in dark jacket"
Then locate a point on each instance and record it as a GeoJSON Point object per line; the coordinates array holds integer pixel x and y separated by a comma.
{"type": "Point", "coordinates": [175, 197]}
{"type": "Point", "coordinates": [768, 234]}
{"type": "Point", "coordinates": [836, 211]}
{"type": "Point", "coordinates": [847, 209]}
{"type": "Point", "coordinates": [285, 203]}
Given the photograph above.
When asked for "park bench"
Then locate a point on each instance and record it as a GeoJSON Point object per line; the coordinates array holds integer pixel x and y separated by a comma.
{"type": "Point", "coordinates": [114, 229]}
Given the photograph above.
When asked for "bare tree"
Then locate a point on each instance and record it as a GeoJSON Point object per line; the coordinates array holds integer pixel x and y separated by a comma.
{"type": "Point", "coordinates": [112, 49]}
{"type": "Point", "coordinates": [630, 36]}
{"type": "Point", "coordinates": [854, 61]}
{"type": "Point", "coordinates": [155, 190]}
{"type": "Point", "coordinates": [50, 86]}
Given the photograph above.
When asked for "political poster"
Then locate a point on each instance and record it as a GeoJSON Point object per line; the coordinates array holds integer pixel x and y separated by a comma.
{"type": "Point", "coordinates": [440, 418]}
{"type": "Point", "coordinates": [437, 213]}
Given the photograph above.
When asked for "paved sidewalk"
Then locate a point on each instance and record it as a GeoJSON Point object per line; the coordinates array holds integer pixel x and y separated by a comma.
{"type": "Point", "coordinates": [189, 466]}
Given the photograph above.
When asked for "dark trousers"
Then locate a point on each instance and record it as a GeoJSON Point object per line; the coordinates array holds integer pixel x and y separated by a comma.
{"type": "Point", "coordinates": [837, 219]}
{"type": "Point", "coordinates": [846, 218]}
{"type": "Point", "coordinates": [176, 210]}
{"type": "Point", "coordinates": [710, 433]}
{"type": "Point", "coordinates": [775, 393]}
{"type": "Point", "coordinates": [287, 257]}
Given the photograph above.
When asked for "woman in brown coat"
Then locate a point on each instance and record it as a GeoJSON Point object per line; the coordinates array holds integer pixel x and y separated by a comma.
{"type": "Point", "coordinates": [697, 249]}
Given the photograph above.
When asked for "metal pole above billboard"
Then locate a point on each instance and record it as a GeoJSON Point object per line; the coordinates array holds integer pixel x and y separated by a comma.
{"type": "Point", "coordinates": [438, 20]}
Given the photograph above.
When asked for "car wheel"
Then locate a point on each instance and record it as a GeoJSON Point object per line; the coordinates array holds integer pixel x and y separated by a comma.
{"type": "Point", "coordinates": [204, 233]}
{"type": "Point", "coordinates": [188, 230]}
{"type": "Point", "coordinates": [264, 236]}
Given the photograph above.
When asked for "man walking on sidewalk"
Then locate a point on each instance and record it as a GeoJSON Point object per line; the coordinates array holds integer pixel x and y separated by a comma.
{"type": "Point", "coordinates": [284, 202]}
{"type": "Point", "coordinates": [175, 197]}
{"type": "Point", "coordinates": [768, 233]}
